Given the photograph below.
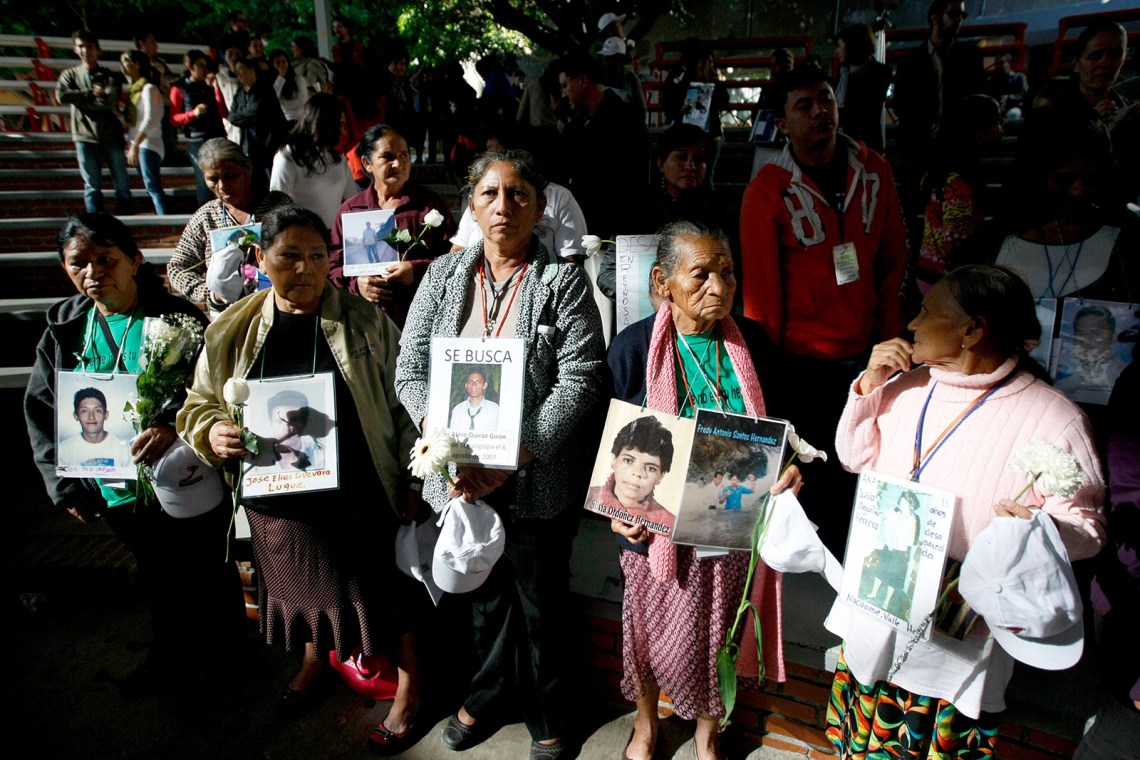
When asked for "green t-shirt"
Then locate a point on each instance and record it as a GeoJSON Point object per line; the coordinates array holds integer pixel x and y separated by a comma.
{"type": "Point", "coordinates": [99, 357]}
{"type": "Point", "coordinates": [706, 348]}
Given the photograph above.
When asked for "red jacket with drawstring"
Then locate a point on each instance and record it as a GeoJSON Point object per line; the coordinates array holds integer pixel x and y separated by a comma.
{"type": "Point", "coordinates": [788, 232]}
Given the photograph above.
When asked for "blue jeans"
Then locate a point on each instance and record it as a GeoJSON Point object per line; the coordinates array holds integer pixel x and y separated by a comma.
{"type": "Point", "coordinates": [92, 156]}
{"type": "Point", "coordinates": [149, 163]}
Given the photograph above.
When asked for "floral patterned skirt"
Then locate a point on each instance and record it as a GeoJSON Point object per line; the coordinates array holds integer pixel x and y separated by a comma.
{"type": "Point", "coordinates": [884, 721]}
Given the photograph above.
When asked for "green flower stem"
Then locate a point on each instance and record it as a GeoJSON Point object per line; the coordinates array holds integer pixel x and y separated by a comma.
{"type": "Point", "coordinates": [1028, 485]}
{"type": "Point", "coordinates": [237, 412]}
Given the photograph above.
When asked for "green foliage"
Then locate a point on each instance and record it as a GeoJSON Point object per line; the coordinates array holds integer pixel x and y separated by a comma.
{"type": "Point", "coordinates": [726, 677]}
{"type": "Point", "coordinates": [454, 30]}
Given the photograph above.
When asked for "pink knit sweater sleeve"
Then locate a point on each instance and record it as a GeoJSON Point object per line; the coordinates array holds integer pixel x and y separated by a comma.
{"type": "Point", "coordinates": [1080, 520]}
{"type": "Point", "coordinates": [858, 437]}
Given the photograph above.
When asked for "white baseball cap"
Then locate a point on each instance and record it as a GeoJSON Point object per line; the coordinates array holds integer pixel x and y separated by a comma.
{"type": "Point", "coordinates": [792, 545]}
{"type": "Point", "coordinates": [184, 484]}
{"type": "Point", "coordinates": [613, 46]}
{"type": "Point", "coordinates": [415, 545]}
{"type": "Point", "coordinates": [609, 18]}
{"type": "Point", "coordinates": [470, 543]}
{"type": "Point", "coordinates": [1017, 576]}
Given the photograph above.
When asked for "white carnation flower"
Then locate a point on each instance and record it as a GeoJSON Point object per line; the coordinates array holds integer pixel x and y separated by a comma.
{"type": "Point", "coordinates": [1053, 470]}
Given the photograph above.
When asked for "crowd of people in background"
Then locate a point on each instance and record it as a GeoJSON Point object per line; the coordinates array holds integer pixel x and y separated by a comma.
{"type": "Point", "coordinates": [855, 280]}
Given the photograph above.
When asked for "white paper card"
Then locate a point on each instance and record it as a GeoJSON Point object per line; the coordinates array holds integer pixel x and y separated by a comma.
{"type": "Point", "coordinates": [475, 391]}
{"type": "Point", "coordinates": [635, 255]}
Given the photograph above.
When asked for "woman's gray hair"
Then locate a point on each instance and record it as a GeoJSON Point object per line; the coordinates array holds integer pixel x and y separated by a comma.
{"type": "Point", "coordinates": [521, 160]}
{"type": "Point", "coordinates": [220, 150]}
{"type": "Point", "coordinates": [1000, 296]}
{"type": "Point", "coordinates": [668, 257]}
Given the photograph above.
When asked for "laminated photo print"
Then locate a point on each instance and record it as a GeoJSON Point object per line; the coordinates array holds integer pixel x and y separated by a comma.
{"type": "Point", "coordinates": [92, 434]}
{"type": "Point", "coordinates": [639, 472]}
{"type": "Point", "coordinates": [698, 104]}
{"type": "Point", "coordinates": [233, 259]}
{"type": "Point", "coordinates": [896, 550]}
{"type": "Point", "coordinates": [364, 235]}
{"type": "Point", "coordinates": [734, 462]}
{"type": "Point", "coordinates": [1096, 343]}
{"type": "Point", "coordinates": [294, 419]}
{"type": "Point", "coordinates": [475, 392]}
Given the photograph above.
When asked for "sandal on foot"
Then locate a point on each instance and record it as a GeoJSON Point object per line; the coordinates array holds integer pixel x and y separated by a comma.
{"type": "Point", "coordinates": [389, 742]}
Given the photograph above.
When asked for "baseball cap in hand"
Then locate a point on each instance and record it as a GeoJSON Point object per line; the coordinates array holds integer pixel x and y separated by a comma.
{"type": "Point", "coordinates": [184, 484]}
{"type": "Point", "coordinates": [470, 543]}
{"type": "Point", "coordinates": [415, 545]}
{"type": "Point", "coordinates": [1017, 576]}
{"type": "Point", "coordinates": [792, 544]}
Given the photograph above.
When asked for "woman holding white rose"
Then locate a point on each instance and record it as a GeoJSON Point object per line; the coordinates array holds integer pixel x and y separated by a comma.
{"type": "Point", "coordinates": [955, 423]}
{"type": "Point", "coordinates": [423, 223]}
{"type": "Point", "coordinates": [509, 285]}
{"type": "Point", "coordinates": [195, 601]}
{"type": "Point", "coordinates": [327, 573]}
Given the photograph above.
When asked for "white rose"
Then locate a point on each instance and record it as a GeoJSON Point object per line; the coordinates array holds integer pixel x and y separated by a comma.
{"type": "Point", "coordinates": [403, 236]}
{"type": "Point", "coordinates": [236, 392]}
{"type": "Point", "coordinates": [433, 219]}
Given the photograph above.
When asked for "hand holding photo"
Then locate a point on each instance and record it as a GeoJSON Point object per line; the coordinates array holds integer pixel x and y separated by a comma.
{"type": "Point", "coordinates": [365, 238]}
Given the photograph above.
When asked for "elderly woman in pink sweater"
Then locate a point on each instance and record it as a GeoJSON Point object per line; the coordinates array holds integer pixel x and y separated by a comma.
{"type": "Point", "coordinates": [978, 398]}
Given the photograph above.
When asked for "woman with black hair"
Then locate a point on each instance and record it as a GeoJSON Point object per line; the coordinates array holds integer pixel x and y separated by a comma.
{"type": "Point", "coordinates": [143, 115]}
{"type": "Point", "coordinates": [196, 605]}
{"type": "Point", "coordinates": [862, 86]}
{"type": "Point", "coordinates": [387, 161]}
{"type": "Point", "coordinates": [307, 62]}
{"type": "Point", "coordinates": [291, 88]}
{"type": "Point", "coordinates": [309, 168]}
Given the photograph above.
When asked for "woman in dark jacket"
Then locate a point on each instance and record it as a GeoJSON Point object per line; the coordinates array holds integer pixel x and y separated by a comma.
{"type": "Point", "coordinates": [196, 603]}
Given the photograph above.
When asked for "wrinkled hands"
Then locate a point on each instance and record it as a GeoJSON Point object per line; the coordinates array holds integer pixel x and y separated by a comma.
{"type": "Point", "coordinates": [476, 482]}
{"type": "Point", "coordinates": [635, 534]}
{"type": "Point", "coordinates": [225, 440]}
{"type": "Point", "coordinates": [379, 288]}
{"type": "Point", "coordinates": [792, 480]}
{"type": "Point", "coordinates": [887, 358]}
{"type": "Point", "coordinates": [149, 445]}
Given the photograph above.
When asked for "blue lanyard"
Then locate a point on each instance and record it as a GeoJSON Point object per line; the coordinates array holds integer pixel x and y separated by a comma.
{"type": "Point", "coordinates": [920, 461]}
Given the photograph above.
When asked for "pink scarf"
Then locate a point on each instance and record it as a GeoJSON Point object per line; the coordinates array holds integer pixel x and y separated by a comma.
{"type": "Point", "coordinates": [661, 395]}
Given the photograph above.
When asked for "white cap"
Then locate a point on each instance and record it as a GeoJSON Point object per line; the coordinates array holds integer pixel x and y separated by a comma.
{"type": "Point", "coordinates": [224, 275]}
{"type": "Point", "coordinates": [613, 46]}
{"type": "Point", "coordinates": [470, 543]}
{"type": "Point", "coordinates": [414, 547]}
{"type": "Point", "coordinates": [1017, 576]}
{"type": "Point", "coordinates": [607, 19]}
{"type": "Point", "coordinates": [792, 544]}
{"type": "Point", "coordinates": [184, 484]}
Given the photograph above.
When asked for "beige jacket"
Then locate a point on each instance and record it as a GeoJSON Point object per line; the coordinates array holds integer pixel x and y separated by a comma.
{"type": "Point", "coordinates": [364, 343]}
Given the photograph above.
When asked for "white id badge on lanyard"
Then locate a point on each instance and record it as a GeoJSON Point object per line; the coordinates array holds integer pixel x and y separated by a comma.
{"type": "Point", "coordinates": [846, 263]}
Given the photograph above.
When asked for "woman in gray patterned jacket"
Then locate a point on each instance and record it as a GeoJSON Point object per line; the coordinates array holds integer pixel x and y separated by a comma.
{"type": "Point", "coordinates": [510, 285]}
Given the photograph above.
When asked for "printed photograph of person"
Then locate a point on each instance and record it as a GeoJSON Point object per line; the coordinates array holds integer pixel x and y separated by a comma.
{"type": "Point", "coordinates": [733, 493]}
{"type": "Point", "coordinates": [365, 243]}
{"type": "Point", "coordinates": [889, 570]}
{"type": "Point", "coordinates": [642, 455]}
{"type": "Point", "coordinates": [95, 446]}
{"type": "Point", "coordinates": [476, 411]}
{"type": "Point", "coordinates": [735, 460]}
{"type": "Point", "coordinates": [1092, 352]}
{"type": "Point", "coordinates": [293, 447]}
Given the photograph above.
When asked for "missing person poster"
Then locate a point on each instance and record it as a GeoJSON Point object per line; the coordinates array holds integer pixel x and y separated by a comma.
{"type": "Point", "coordinates": [896, 550]}
{"type": "Point", "coordinates": [698, 104]}
{"type": "Point", "coordinates": [639, 473]}
{"type": "Point", "coordinates": [1096, 343]}
{"type": "Point", "coordinates": [92, 434]}
{"type": "Point", "coordinates": [635, 255]}
{"type": "Point", "coordinates": [735, 460]}
{"type": "Point", "coordinates": [233, 256]}
{"type": "Point", "coordinates": [366, 249]}
{"type": "Point", "coordinates": [475, 391]}
{"type": "Point", "coordinates": [294, 419]}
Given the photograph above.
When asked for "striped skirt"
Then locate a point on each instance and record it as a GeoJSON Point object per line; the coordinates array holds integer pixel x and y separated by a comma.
{"type": "Point", "coordinates": [884, 722]}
